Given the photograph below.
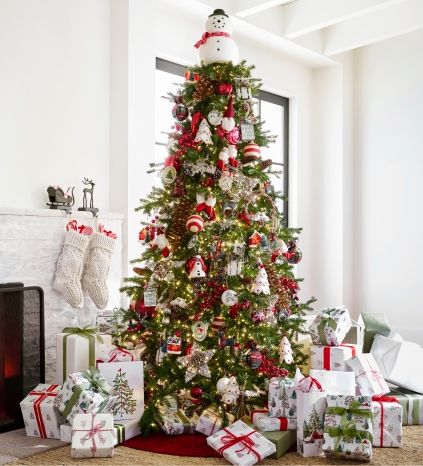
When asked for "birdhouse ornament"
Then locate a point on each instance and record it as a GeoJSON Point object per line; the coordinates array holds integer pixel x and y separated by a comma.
{"type": "Point", "coordinates": [216, 44]}
{"type": "Point", "coordinates": [196, 267]}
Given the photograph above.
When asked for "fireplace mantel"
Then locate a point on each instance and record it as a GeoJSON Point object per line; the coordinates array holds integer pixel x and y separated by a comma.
{"type": "Point", "coordinates": [30, 244]}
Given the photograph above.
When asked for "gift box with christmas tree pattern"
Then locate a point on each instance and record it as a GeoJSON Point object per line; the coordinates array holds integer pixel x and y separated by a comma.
{"type": "Point", "coordinates": [282, 400]}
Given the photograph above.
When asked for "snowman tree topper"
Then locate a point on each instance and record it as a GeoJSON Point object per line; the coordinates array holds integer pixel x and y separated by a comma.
{"type": "Point", "coordinates": [216, 44]}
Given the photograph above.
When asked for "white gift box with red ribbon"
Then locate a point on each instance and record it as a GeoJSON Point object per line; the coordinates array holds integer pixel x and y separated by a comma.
{"type": "Point", "coordinates": [241, 445]}
{"type": "Point", "coordinates": [335, 382]}
{"type": "Point", "coordinates": [260, 418]}
{"type": "Point", "coordinates": [41, 417]}
{"type": "Point", "coordinates": [210, 421]}
{"type": "Point", "coordinates": [368, 378]}
{"type": "Point", "coordinates": [387, 422]}
{"type": "Point", "coordinates": [92, 436]}
{"type": "Point", "coordinates": [112, 353]}
{"type": "Point", "coordinates": [332, 358]}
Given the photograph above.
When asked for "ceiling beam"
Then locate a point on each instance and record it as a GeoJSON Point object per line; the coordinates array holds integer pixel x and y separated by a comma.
{"type": "Point", "coordinates": [244, 8]}
{"type": "Point", "coordinates": [304, 16]}
{"type": "Point", "coordinates": [398, 19]}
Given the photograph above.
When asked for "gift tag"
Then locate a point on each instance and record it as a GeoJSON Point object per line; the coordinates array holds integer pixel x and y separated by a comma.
{"type": "Point", "coordinates": [150, 297]}
{"type": "Point", "coordinates": [247, 132]}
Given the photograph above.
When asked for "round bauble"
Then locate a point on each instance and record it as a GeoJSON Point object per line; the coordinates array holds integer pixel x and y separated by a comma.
{"type": "Point", "coordinates": [199, 330]}
{"type": "Point", "coordinates": [218, 323]}
{"type": "Point", "coordinates": [229, 298]}
{"type": "Point", "coordinates": [195, 224]}
{"type": "Point", "coordinates": [180, 112]}
{"type": "Point", "coordinates": [294, 253]}
{"type": "Point", "coordinates": [254, 359]}
{"type": "Point", "coordinates": [214, 117]}
{"type": "Point", "coordinates": [258, 316]}
{"type": "Point", "coordinates": [196, 392]}
{"type": "Point", "coordinates": [222, 384]}
{"type": "Point", "coordinates": [251, 152]}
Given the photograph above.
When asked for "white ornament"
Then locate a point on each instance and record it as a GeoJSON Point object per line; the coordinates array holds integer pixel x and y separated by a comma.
{"type": "Point", "coordinates": [199, 330]}
{"type": "Point", "coordinates": [179, 302]}
{"type": "Point", "coordinates": [226, 181]}
{"type": "Point", "coordinates": [221, 384]}
{"type": "Point", "coordinates": [231, 392]}
{"type": "Point", "coordinates": [203, 133]}
{"type": "Point", "coordinates": [228, 121]}
{"type": "Point", "coordinates": [197, 268]}
{"type": "Point", "coordinates": [215, 117]}
{"type": "Point", "coordinates": [261, 285]}
{"type": "Point", "coordinates": [218, 48]}
{"type": "Point", "coordinates": [285, 351]}
{"type": "Point", "coordinates": [229, 298]}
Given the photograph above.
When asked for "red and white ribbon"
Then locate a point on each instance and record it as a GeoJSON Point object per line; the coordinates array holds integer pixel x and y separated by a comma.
{"type": "Point", "coordinates": [383, 399]}
{"type": "Point", "coordinates": [42, 395]}
{"type": "Point", "coordinates": [206, 35]}
{"type": "Point", "coordinates": [105, 232]}
{"type": "Point", "coordinates": [91, 433]}
{"type": "Point", "coordinates": [231, 439]}
{"type": "Point", "coordinates": [327, 358]}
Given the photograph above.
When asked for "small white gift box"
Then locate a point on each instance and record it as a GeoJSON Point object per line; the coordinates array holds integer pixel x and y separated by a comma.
{"type": "Point", "coordinates": [127, 381]}
{"type": "Point", "coordinates": [241, 445]}
{"type": "Point", "coordinates": [332, 358]}
{"type": "Point", "coordinates": [282, 399]}
{"type": "Point", "coordinates": [330, 326]}
{"type": "Point", "coordinates": [387, 422]}
{"type": "Point", "coordinates": [260, 418]}
{"type": "Point", "coordinates": [210, 421]}
{"type": "Point", "coordinates": [335, 382]}
{"type": "Point", "coordinates": [40, 415]}
{"type": "Point", "coordinates": [76, 352]}
{"type": "Point", "coordinates": [396, 362]}
{"type": "Point", "coordinates": [92, 436]}
{"type": "Point", "coordinates": [368, 379]}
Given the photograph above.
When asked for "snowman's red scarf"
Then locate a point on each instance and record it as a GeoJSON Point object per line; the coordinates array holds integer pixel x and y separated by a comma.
{"type": "Point", "coordinates": [206, 35]}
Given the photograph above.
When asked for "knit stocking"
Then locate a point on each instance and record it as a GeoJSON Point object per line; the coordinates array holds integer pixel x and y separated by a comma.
{"type": "Point", "coordinates": [94, 280]}
{"type": "Point", "coordinates": [67, 280]}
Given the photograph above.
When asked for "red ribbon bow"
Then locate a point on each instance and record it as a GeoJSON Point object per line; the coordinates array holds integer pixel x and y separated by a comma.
{"type": "Point", "coordinates": [376, 377]}
{"type": "Point", "coordinates": [313, 381]}
{"type": "Point", "coordinates": [206, 35]}
{"type": "Point", "coordinates": [42, 395]}
{"type": "Point", "coordinates": [231, 439]}
{"type": "Point", "coordinates": [384, 399]}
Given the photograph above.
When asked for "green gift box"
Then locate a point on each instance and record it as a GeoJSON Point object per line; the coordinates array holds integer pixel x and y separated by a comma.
{"type": "Point", "coordinates": [412, 406]}
{"type": "Point", "coordinates": [374, 324]}
{"type": "Point", "coordinates": [282, 439]}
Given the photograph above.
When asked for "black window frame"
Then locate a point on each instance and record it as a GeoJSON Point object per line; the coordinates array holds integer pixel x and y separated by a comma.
{"type": "Point", "coordinates": [179, 70]}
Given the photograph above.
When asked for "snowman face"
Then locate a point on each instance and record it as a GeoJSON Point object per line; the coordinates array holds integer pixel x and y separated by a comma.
{"type": "Point", "coordinates": [219, 23]}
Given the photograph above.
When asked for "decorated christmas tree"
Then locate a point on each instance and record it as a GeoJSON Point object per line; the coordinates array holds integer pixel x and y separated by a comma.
{"type": "Point", "coordinates": [214, 291]}
{"type": "Point", "coordinates": [125, 404]}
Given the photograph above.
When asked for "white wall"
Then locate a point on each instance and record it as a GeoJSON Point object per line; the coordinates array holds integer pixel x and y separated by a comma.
{"type": "Point", "coordinates": [54, 94]}
{"type": "Point", "coordinates": [389, 189]}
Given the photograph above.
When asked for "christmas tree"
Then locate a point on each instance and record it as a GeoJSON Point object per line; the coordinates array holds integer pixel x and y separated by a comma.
{"type": "Point", "coordinates": [125, 404]}
{"type": "Point", "coordinates": [214, 294]}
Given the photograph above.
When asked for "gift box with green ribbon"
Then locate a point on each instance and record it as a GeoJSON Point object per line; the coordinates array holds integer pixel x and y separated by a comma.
{"type": "Point", "coordinates": [348, 427]}
{"type": "Point", "coordinates": [412, 405]}
{"type": "Point", "coordinates": [85, 392]}
{"type": "Point", "coordinates": [330, 326]}
{"type": "Point", "coordinates": [176, 423]}
{"type": "Point", "coordinates": [76, 350]}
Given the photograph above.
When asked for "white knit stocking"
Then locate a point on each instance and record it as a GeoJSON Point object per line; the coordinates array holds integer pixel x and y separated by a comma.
{"type": "Point", "coordinates": [67, 280]}
{"type": "Point", "coordinates": [94, 280]}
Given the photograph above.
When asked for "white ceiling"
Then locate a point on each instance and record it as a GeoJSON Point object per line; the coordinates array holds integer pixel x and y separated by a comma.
{"type": "Point", "coordinates": [328, 26]}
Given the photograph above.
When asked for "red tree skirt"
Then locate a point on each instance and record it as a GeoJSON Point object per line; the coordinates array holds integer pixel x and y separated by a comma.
{"type": "Point", "coordinates": [178, 445]}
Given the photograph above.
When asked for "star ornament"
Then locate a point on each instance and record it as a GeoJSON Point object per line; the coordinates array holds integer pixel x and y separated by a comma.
{"type": "Point", "coordinates": [196, 363]}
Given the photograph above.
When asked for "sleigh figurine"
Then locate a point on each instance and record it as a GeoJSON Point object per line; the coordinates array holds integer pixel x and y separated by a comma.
{"type": "Point", "coordinates": [59, 199]}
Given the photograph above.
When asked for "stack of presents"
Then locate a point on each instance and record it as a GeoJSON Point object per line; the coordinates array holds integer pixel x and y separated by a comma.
{"type": "Point", "coordinates": [340, 406]}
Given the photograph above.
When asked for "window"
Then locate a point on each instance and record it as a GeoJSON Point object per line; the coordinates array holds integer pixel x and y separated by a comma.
{"type": "Point", "coordinates": [273, 109]}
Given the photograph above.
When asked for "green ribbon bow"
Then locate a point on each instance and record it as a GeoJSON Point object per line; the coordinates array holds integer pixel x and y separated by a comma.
{"type": "Point", "coordinates": [86, 332]}
{"type": "Point", "coordinates": [326, 319]}
{"type": "Point", "coordinates": [95, 382]}
{"type": "Point", "coordinates": [120, 428]}
{"type": "Point", "coordinates": [354, 408]}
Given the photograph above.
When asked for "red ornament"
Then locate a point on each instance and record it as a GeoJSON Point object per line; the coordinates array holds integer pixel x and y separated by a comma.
{"type": "Point", "coordinates": [172, 161]}
{"type": "Point", "coordinates": [188, 349]}
{"type": "Point", "coordinates": [196, 392]}
{"type": "Point", "coordinates": [207, 182]}
{"type": "Point", "coordinates": [143, 310]}
{"type": "Point", "coordinates": [218, 323]}
{"type": "Point", "coordinates": [224, 88]}
{"type": "Point", "coordinates": [254, 240]}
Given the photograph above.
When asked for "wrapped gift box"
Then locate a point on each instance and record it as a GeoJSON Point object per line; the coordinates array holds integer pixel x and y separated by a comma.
{"type": "Point", "coordinates": [260, 418]}
{"type": "Point", "coordinates": [335, 382]}
{"type": "Point", "coordinates": [330, 326]}
{"type": "Point", "coordinates": [412, 406]}
{"type": "Point", "coordinates": [282, 398]}
{"type": "Point", "coordinates": [85, 392]}
{"type": "Point", "coordinates": [76, 350]}
{"type": "Point", "coordinates": [394, 359]}
{"type": "Point", "coordinates": [282, 439]}
{"type": "Point", "coordinates": [92, 436]}
{"type": "Point", "coordinates": [125, 430]}
{"type": "Point", "coordinates": [368, 379]}
{"type": "Point", "coordinates": [127, 380]}
{"type": "Point", "coordinates": [40, 415]}
{"type": "Point", "coordinates": [332, 358]}
{"type": "Point", "coordinates": [241, 445]}
{"type": "Point", "coordinates": [211, 421]}
{"type": "Point", "coordinates": [348, 427]}
{"type": "Point", "coordinates": [375, 324]}
{"type": "Point", "coordinates": [387, 422]}
{"type": "Point", "coordinates": [176, 423]}
{"type": "Point", "coordinates": [112, 353]}
{"type": "Point", "coordinates": [355, 335]}
{"type": "Point", "coordinates": [311, 406]}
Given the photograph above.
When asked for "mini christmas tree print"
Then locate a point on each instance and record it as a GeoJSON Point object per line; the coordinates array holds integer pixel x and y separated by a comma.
{"type": "Point", "coordinates": [306, 431]}
{"type": "Point", "coordinates": [284, 401]}
{"type": "Point", "coordinates": [204, 133]}
{"type": "Point", "coordinates": [125, 404]}
{"type": "Point", "coordinates": [315, 422]}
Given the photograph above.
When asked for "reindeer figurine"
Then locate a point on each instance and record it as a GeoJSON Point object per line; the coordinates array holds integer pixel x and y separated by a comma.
{"type": "Point", "coordinates": [89, 191]}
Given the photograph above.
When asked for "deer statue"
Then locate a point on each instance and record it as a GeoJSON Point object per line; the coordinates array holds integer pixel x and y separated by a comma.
{"type": "Point", "coordinates": [90, 191]}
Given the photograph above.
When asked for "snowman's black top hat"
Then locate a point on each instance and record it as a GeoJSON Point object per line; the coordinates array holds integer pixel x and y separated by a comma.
{"type": "Point", "coordinates": [219, 12]}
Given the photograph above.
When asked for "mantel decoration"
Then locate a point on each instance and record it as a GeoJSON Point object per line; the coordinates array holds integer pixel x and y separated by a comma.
{"type": "Point", "coordinates": [90, 192]}
{"type": "Point", "coordinates": [59, 199]}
